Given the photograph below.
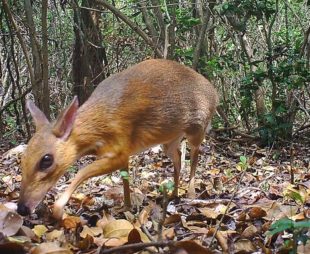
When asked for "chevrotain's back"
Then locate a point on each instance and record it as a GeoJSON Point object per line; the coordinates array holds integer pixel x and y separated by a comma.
{"type": "Point", "coordinates": [151, 103]}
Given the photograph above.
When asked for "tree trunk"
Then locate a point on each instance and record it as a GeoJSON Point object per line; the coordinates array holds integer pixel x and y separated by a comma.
{"type": "Point", "coordinates": [41, 92]}
{"type": "Point", "coordinates": [202, 35]}
{"type": "Point", "coordinates": [45, 84]}
{"type": "Point", "coordinates": [88, 54]}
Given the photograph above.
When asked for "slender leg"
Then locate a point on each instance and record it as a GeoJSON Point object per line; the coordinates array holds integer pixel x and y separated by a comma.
{"type": "Point", "coordinates": [194, 161]}
{"type": "Point", "coordinates": [172, 150]}
{"type": "Point", "coordinates": [103, 166]}
{"type": "Point", "coordinates": [194, 140]}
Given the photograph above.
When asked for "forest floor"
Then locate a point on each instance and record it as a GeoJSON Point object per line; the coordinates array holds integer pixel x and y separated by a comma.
{"type": "Point", "coordinates": [241, 189]}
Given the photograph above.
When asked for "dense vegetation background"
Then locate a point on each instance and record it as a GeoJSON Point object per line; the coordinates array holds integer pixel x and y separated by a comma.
{"type": "Point", "coordinates": [256, 52]}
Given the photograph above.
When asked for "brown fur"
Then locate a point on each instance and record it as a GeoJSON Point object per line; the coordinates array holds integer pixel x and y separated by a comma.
{"type": "Point", "coordinates": [153, 102]}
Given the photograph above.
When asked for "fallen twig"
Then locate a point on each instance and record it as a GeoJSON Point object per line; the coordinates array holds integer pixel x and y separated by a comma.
{"type": "Point", "coordinates": [138, 246]}
{"type": "Point", "coordinates": [188, 201]}
{"type": "Point", "coordinates": [225, 129]}
{"type": "Point", "coordinates": [247, 190]}
{"type": "Point", "coordinates": [245, 135]}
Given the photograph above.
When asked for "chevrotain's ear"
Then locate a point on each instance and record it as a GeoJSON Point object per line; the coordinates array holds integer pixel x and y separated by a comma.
{"type": "Point", "coordinates": [38, 116]}
{"type": "Point", "coordinates": [63, 126]}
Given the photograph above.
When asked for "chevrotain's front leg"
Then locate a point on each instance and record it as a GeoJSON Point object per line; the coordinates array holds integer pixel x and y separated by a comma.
{"type": "Point", "coordinates": [103, 166]}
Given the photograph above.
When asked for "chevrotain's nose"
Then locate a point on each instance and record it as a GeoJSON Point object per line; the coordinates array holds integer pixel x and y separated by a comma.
{"type": "Point", "coordinates": [22, 209]}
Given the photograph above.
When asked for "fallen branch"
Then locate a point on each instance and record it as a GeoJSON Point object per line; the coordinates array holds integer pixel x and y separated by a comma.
{"type": "Point", "coordinates": [243, 192]}
{"type": "Point", "coordinates": [138, 246]}
{"type": "Point", "coordinates": [232, 139]}
{"type": "Point", "coordinates": [225, 128]}
{"type": "Point", "coordinates": [245, 135]}
{"type": "Point", "coordinates": [188, 201]}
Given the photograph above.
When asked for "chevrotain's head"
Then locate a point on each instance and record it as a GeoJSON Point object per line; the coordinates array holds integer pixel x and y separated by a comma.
{"type": "Point", "coordinates": [47, 156]}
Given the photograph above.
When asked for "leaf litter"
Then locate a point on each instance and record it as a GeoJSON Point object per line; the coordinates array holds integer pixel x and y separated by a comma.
{"type": "Point", "coordinates": [240, 192]}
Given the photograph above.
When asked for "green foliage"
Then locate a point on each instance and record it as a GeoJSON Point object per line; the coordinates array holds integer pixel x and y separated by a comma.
{"type": "Point", "coordinates": [11, 128]}
{"type": "Point", "coordinates": [277, 68]}
{"type": "Point", "coordinates": [72, 169]}
{"type": "Point", "coordinates": [294, 193]}
{"type": "Point", "coordinates": [256, 8]}
{"type": "Point", "coordinates": [243, 164]}
{"type": "Point", "coordinates": [169, 186]}
{"type": "Point", "coordinates": [243, 160]}
{"type": "Point", "coordinates": [299, 230]}
{"type": "Point", "coordinates": [124, 174]}
{"type": "Point", "coordinates": [186, 54]}
{"type": "Point", "coordinates": [185, 20]}
{"type": "Point", "coordinates": [274, 126]}
{"type": "Point", "coordinates": [287, 224]}
{"type": "Point", "coordinates": [274, 65]}
{"type": "Point", "coordinates": [211, 67]}
{"type": "Point", "coordinates": [288, 71]}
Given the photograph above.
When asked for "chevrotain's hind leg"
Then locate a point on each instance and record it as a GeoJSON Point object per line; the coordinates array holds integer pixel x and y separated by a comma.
{"type": "Point", "coordinates": [172, 149]}
{"type": "Point", "coordinates": [195, 137]}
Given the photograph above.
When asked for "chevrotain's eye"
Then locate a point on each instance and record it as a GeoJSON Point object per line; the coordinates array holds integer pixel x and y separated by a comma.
{"type": "Point", "coordinates": [46, 161]}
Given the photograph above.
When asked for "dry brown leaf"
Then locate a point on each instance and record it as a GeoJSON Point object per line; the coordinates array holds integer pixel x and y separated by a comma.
{"type": "Point", "coordinates": [172, 219]}
{"type": "Point", "coordinates": [249, 232]}
{"type": "Point", "coordinates": [137, 197]}
{"type": "Point", "coordinates": [192, 247]}
{"type": "Point", "coordinates": [18, 239]}
{"type": "Point", "coordinates": [120, 229]}
{"type": "Point", "coordinates": [180, 251]}
{"type": "Point", "coordinates": [49, 248]}
{"type": "Point", "coordinates": [15, 152]}
{"type": "Point", "coordinates": [143, 216]}
{"type": "Point", "coordinates": [129, 216]}
{"type": "Point", "coordinates": [299, 195]}
{"type": "Point", "coordinates": [243, 216]}
{"type": "Point", "coordinates": [278, 211]}
{"type": "Point", "coordinates": [208, 212]}
{"type": "Point", "coordinates": [115, 194]}
{"type": "Point", "coordinates": [85, 243]}
{"type": "Point", "coordinates": [244, 246]}
{"type": "Point", "coordinates": [55, 234]}
{"type": "Point", "coordinates": [25, 231]}
{"type": "Point", "coordinates": [10, 222]}
{"type": "Point", "coordinates": [10, 205]}
{"type": "Point", "coordinates": [199, 230]}
{"type": "Point", "coordinates": [298, 217]}
{"type": "Point", "coordinates": [134, 236]}
{"type": "Point", "coordinates": [169, 234]}
{"type": "Point", "coordinates": [88, 201]}
{"type": "Point", "coordinates": [106, 218]}
{"type": "Point", "coordinates": [184, 223]}
{"type": "Point", "coordinates": [92, 231]}
{"type": "Point", "coordinates": [220, 237]}
{"type": "Point", "coordinates": [117, 228]}
{"type": "Point", "coordinates": [71, 222]}
{"type": "Point", "coordinates": [218, 184]}
{"type": "Point", "coordinates": [257, 213]}
{"type": "Point", "coordinates": [213, 171]}
{"type": "Point", "coordinates": [110, 242]}
{"type": "Point", "coordinates": [78, 196]}
{"type": "Point", "coordinates": [39, 230]}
